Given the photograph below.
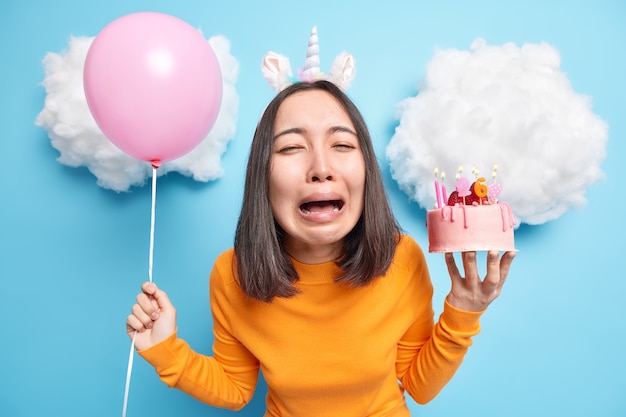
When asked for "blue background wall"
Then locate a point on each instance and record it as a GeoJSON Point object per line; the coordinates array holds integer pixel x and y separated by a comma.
{"type": "Point", "coordinates": [72, 255]}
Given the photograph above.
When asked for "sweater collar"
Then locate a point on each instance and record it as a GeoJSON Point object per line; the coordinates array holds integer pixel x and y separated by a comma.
{"type": "Point", "coordinates": [317, 273]}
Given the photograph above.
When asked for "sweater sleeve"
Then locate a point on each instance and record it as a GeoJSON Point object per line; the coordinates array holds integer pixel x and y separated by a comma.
{"type": "Point", "coordinates": [437, 360]}
{"type": "Point", "coordinates": [227, 379]}
{"type": "Point", "coordinates": [429, 355]}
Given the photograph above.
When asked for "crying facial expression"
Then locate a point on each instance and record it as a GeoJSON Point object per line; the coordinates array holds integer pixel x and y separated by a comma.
{"type": "Point", "coordinates": [317, 175]}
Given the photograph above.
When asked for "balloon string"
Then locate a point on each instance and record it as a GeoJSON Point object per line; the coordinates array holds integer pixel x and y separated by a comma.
{"type": "Point", "coordinates": [152, 215]}
{"type": "Point", "coordinates": [129, 371]}
{"type": "Point", "coordinates": [131, 356]}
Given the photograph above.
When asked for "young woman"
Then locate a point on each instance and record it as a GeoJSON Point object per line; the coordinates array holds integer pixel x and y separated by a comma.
{"type": "Point", "coordinates": [321, 292]}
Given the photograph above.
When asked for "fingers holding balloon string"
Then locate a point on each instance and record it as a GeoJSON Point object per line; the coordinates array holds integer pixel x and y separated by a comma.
{"type": "Point", "coordinates": [148, 305]}
{"type": "Point", "coordinates": [134, 323]}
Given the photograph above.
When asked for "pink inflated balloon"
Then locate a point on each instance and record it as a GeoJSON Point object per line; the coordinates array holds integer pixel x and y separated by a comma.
{"type": "Point", "coordinates": [153, 85]}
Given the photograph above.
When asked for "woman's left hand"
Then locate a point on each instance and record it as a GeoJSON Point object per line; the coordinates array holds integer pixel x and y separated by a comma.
{"type": "Point", "coordinates": [470, 293]}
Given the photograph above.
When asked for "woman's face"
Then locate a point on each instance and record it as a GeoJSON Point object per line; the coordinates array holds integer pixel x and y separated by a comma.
{"type": "Point", "coordinates": [317, 176]}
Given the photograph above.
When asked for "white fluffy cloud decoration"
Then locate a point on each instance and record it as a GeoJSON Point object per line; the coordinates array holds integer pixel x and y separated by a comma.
{"type": "Point", "coordinates": [75, 134]}
{"type": "Point", "coordinates": [507, 105]}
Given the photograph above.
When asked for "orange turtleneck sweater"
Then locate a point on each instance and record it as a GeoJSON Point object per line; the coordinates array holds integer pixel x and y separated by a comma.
{"type": "Point", "coordinates": [331, 350]}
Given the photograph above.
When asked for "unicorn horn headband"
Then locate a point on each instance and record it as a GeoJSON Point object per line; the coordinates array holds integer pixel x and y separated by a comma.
{"type": "Point", "coordinates": [277, 70]}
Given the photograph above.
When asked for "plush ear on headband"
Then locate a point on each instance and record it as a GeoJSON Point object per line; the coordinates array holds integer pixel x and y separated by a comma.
{"type": "Point", "coordinates": [342, 71]}
{"type": "Point", "coordinates": [277, 71]}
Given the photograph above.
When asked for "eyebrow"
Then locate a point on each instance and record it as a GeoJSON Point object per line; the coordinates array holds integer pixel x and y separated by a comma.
{"type": "Point", "coordinates": [298, 130]}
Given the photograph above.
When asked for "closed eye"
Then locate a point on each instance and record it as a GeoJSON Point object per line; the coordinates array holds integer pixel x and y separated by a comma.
{"type": "Point", "coordinates": [344, 147]}
{"type": "Point", "coordinates": [345, 138]}
{"type": "Point", "coordinates": [289, 149]}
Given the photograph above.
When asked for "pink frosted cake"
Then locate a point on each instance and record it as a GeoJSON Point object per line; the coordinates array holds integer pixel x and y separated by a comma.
{"type": "Point", "coordinates": [472, 219]}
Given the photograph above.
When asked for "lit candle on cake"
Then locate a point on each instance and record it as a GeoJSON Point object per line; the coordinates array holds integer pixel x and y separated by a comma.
{"type": "Point", "coordinates": [462, 187]}
{"type": "Point", "coordinates": [480, 189]}
{"type": "Point", "coordinates": [437, 190]}
{"type": "Point", "coordinates": [444, 194]}
{"type": "Point", "coordinates": [475, 170]}
{"type": "Point", "coordinates": [494, 188]}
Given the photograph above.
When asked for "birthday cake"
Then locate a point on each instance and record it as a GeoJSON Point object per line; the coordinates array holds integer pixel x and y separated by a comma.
{"type": "Point", "coordinates": [470, 219]}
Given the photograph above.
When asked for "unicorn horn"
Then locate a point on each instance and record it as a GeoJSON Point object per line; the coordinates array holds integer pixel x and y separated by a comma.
{"type": "Point", "coordinates": [311, 70]}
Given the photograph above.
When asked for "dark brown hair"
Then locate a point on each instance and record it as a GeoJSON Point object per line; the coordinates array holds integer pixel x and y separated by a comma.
{"type": "Point", "coordinates": [264, 268]}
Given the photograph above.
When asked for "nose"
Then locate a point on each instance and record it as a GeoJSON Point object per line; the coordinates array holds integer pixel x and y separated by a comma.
{"type": "Point", "coordinates": [321, 167]}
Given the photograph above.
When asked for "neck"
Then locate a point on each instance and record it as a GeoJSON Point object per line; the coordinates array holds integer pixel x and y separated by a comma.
{"type": "Point", "coordinates": [312, 253]}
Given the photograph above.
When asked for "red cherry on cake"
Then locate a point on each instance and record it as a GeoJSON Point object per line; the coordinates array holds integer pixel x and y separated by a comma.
{"type": "Point", "coordinates": [473, 199]}
{"type": "Point", "coordinates": [454, 199]}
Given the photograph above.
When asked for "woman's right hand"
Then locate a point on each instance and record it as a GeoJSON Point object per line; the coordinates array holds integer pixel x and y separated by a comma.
{"type": "Point", "coordinates": [153, 317]}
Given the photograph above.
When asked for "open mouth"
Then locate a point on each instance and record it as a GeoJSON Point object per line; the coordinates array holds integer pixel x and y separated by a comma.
{"type": "Point", "coordinates": [325, 206]}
